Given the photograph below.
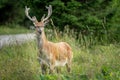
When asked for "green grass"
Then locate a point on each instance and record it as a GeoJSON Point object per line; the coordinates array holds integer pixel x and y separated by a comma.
{"type": "Point", "coordinates": [98, 62]}
{"type": "Point", "coordinates": [5, 29]}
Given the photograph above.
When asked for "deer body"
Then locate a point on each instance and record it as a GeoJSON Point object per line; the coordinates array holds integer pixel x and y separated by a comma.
{"type": "Point", "coordinates": [50, 54]}
{"type": "Point", "coordinates": [53, 54]}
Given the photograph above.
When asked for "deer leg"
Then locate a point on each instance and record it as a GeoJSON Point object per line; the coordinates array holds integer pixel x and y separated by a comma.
{"type": "Point", "coordinates": [44, 68]}
{"type": "Point", "coordinates": [52, 66]}
{"type": "Point", "coordinates": [58, 69]}
{"type": "Point", "coordinates": [52, 69]}
{"type": "Point", "coordinates": [68, 66]}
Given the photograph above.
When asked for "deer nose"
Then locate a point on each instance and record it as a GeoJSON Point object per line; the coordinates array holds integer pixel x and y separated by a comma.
{"type": "Point", "coordinates": [39, 31]}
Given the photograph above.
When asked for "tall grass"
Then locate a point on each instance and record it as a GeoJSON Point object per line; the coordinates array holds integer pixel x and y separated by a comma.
{"type": "Point", "coordinates": [18, 62]}
{"type": "Point", "coordinates": [90, 62]}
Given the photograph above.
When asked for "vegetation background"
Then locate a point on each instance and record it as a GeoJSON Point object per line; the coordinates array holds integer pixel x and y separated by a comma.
{"type": "Point", "coordinates": [91, 27]}
{"type": "Point", "coordinates": [89, 17]}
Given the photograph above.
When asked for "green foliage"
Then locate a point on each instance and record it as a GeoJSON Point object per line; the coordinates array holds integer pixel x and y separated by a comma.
{"type": "Point", "coordinates": [98, 18]}
{"type": "Point", "coordinates": [17, 63]}
{"type": "Point", "coordinates": [11, 12]}
{"type": "Point", "coordinates": [114, 21]}
{"type": "Point", "coordinates": [2, 2]}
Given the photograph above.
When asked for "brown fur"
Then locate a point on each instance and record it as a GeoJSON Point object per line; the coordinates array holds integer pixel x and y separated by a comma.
{"type": "Point", "coordinates": [59, 51]}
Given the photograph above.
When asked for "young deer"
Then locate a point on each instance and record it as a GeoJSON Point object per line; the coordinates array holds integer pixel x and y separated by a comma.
{"type": "Point", "coordinates": [50, 54]}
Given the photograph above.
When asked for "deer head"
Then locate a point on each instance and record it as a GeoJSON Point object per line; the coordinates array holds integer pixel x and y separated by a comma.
{"type": "Point", "coordinates": [44, 20]}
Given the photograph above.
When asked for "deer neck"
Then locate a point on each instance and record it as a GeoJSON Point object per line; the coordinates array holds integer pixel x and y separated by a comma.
{"type": "Point", "coordinates": [42, 40]}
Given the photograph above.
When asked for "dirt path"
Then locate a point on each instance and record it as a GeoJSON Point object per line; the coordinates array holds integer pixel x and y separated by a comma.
{"type": "Point", "coordinates": [18, 38]}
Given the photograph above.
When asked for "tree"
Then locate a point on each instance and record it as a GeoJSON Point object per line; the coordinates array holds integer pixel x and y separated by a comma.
{"type": "Point", "coordinates": [97, 18]}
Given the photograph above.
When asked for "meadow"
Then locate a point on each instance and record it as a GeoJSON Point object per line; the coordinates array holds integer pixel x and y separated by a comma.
{"type": "Point", "coordinates": [90, 62]}
{"type": "Point", "coordinates": [10, 29]}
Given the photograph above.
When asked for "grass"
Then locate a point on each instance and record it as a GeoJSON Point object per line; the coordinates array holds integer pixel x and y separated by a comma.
{"type": "Point", "coordinates": [10, 29]}
{"type": "Point", "coordinates": [98, 62]}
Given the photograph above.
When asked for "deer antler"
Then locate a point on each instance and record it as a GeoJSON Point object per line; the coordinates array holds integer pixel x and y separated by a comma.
{"type": "Point", "coordinates": [49, 13]}
{"type": "Point", "coordinates": [27, 14]}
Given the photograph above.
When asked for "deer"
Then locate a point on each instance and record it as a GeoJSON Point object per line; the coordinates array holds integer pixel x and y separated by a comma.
{"type": "Point", "coordinates": [50, 54]}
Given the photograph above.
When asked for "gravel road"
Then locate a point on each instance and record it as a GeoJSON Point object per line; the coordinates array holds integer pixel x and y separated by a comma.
{"type": "Point", "coordinates": [17, 38]}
